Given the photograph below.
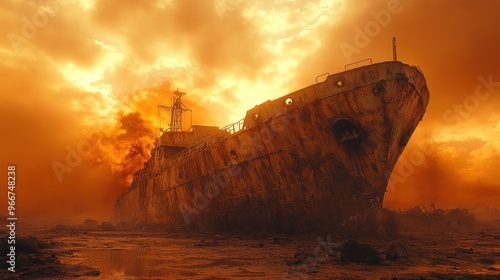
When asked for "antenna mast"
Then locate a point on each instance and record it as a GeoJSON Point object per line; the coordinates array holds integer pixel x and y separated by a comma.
{"type": "Point", "coordinates": [177, 109]}
{"type": "Point", "coordinates": [394, 53]}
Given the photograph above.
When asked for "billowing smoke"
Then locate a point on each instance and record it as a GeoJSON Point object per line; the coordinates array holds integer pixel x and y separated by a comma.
{"type": "Point", "coordinates": [125, 149]}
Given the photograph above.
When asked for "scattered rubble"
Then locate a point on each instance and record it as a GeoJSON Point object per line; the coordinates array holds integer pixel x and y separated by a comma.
{"type": "Point", "coordinates": [397, 250]}
{"type": "Point", "coordinates": [258, 245]}
{"type": "Point", "coordinates": [205, 243]}
{"type": "Point", "coordinates": [305, 262]}
{"type": "Point", "coordinates": [90, 224]}
{"type": "Point", "coordinates": [352, 251]}
{"type": "Point", "coordinates": [418, 218]}
{"type": "Point", "coordinates": [107, 226]}
{"type": "Point", "coordinates": [36, 259]}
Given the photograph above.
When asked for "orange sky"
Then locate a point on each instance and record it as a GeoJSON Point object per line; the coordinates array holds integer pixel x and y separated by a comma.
{"type": "Point", "coordinates": [80, 81]}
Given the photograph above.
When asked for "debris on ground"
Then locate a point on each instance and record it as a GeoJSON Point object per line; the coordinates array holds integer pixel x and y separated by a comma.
{"type": "Point", "coordinates": [397, 250]}
{"type": "Point", "coordinates": [205, 243]}
{"type": "Point", "coordinates": [352, 251]}
{"type": "Point", "coordinates": [90, 224]}
{"type": "Point", "coordinates": [418, 218]}
{"type": "Point", "coordinates": [107, 226]}
{"type": "Point", "coordinates": [305, 262]}
{"type": "Point", "coordinates": [258, 245]}
{"type": "Point", "coordinates": [36, 259]}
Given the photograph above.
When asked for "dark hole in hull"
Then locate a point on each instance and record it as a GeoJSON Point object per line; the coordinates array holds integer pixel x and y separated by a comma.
{"type": "Point", "coordinates": [346, 131]}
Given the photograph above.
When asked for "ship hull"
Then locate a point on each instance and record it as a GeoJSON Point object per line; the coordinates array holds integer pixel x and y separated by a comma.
{"type": "Point", "coordinates": [316, 159]}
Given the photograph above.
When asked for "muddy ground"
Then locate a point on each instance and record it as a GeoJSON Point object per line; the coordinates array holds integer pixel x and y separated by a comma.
{"type": "Point", "coordinates": [437, 245]}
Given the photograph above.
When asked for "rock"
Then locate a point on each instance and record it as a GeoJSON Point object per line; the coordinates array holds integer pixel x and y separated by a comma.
{"type": "Point", "coordinates": [202, 243]}
{"type": "Point", "coordinates": [397, 250]}
{"type": "Point", "coordinates": [300, 257]}
{"type": "Point", "coordinates": [90, 224]}
{"type": "Point", "coordinates": [259, 245]}
{"type": "Point", "coordinates": [305, 262]}
{"type": "Point", "coordinates": [205, 243]}
{"type": "Point", "coordinates": [30, 244]}
{"type": "Point", "coordinates": [107, 226]}
{"type": "Point", "coordinates": [35, 259]}
{"type": "Point", "coordinates": [352, 251]}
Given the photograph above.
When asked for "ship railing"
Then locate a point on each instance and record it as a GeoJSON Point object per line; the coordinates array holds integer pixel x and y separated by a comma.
{"type": "Point", "coordinates": [235, 127]}
{"type": "Point", "coordinates": [357, 62]}
{"type": "Point", "coordinates": [207, 141]}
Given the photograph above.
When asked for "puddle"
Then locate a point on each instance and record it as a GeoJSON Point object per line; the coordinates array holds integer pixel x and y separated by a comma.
{"type": "Point", "coordinates": [138, 263]}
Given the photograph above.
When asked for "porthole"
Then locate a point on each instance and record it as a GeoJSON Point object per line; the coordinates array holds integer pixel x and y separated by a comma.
{"type": "Point", "coordinates": [346, 131]}
{"type": "Point", "coordinates": [233, 154]}
{"type": "Point", "coordinates": [340, 83]}
{"type": "Point", "coordinates": [288, 102]}
{"type": "Point", "coordinates": [255, 116]}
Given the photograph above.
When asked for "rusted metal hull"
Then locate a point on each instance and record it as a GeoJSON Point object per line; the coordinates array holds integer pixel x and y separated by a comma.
{"type": "Point", "coordinates": [316, 159]}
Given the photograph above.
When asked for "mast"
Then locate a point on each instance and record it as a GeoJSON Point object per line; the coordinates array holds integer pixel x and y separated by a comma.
{"type": "Point", "coordinates": [176, 111]}
{"type": "Point", "coordinates": [394, 53]}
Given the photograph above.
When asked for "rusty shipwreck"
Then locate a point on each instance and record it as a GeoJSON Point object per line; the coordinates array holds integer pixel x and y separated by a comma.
{"type": "Point", "coordinates": [315, 159]}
